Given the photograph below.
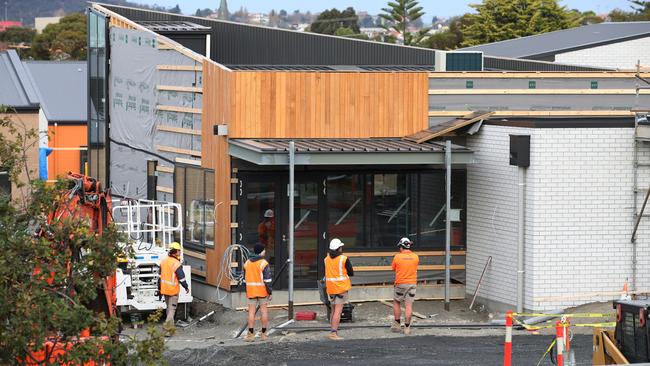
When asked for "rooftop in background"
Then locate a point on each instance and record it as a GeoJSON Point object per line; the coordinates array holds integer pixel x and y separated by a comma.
{"type": "Point", "coordinates": [174, 26]}
{"type": "Point", "coordinates": [8, 24]}
{"type": "Point", "coordinates": [61, 87]}
{"type": "Point", "coordinates": [548, 44]}
{"type": "Point", "coordinates": [15, 88]}
{"type": "Point", "coordinates": [246, 45]}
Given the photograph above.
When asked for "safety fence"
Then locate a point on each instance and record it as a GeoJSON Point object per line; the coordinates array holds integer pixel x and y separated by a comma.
{"type": "Point", "coordinates": [562, 341]}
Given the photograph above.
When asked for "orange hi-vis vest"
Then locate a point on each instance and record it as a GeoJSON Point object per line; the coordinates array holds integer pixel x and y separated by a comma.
{"type": "Point", "coordinates": [336, 275]}
{"type": "Point", "coordinates": [255, 286]}
{"type": "Point", "coordinates": [168, 281]}
{"type": "Point", "coordinates": [405, 265]}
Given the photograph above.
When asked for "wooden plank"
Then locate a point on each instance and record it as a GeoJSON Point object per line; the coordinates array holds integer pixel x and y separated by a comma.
{"type": "Point", "coordinates": [176, 150]}
{"type": "Point", "coordinates": [585, 113]}
{"type": "Point", "coordinates": [164, 46]}
{"type": "Point", "coordinates": [193, 254]}
{"type": "Point", "coordinates": [234, 203]}
{"type": "Point", "coordinates": [534, 75]}
{"type": "Point", "coordinates": [165, 169]}
{"type": "Point", "coordinates": [198, 272]}
{"type": "Point", "coordinates": [188, 161]}
{"type": "Point", "coordinates": [179, 68]}
{"type": "Point", "coordinates": [447, 127]}
{"type": "Point", "coordinates": [234, 225]}
{"type": "Point", "coordinates": [187, 131]}
{"type": "Point", "coordinates": [435, 253]}
{"type": "Point", "coordinates": [536, 91]}
{"type": "Point", "coordinates": [422, 267]}
{"type": "Point", "coordinates": [183, 89]}
{"type": "Point", "coordinates": [173, 108]}
{"type": "Point", "coordinates": [164, 189]}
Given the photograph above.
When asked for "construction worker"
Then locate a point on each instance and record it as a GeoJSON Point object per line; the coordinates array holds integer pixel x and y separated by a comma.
{"type": "Point", "coordinates": [338, 270]}
{"type": "Point", "coordinates": [171, 278]}
{"type": "Point", "coordinates": [266, 230]}
{"type": "Point", "coordinates": [405, 265]}
{"type": "Point", "coordinates": [257, 275]}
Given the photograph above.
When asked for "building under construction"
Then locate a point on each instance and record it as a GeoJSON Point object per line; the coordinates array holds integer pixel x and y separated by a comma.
{"type": "Point", "coordinates": [546, 170]}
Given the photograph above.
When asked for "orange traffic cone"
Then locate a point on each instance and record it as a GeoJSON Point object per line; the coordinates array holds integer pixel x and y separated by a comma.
{"type": "Point", "coordinates": [624, 293]}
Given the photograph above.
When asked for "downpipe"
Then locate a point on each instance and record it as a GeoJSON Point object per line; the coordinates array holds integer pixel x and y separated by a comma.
{"type": "Point", "coordinates": [520, 239]}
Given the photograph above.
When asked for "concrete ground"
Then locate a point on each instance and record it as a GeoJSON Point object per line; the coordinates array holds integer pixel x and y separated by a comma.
{"type": "Point", "coordinates": [211, 342]}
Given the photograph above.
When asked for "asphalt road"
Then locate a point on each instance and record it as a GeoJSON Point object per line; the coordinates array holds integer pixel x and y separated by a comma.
{"type": "Point", "coordinates": [413, 350]}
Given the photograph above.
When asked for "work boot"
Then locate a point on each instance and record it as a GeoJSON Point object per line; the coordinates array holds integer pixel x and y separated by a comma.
{"type": "Point", "coordinates": [264, 337]}
{"type": "Point", "coordinates": [335, 336]}
{"type": "Point", "coordinates": [169, 329]}
{"type": "Point", "coordinates": [407, 330]}
{"type": "Point", "coordinates": [250, 337]}
{"type": "Point", "coordinates": [396, 328]}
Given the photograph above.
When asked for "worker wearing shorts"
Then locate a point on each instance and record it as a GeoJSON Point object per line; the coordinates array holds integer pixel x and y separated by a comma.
{"type": "Point", "coordinates": [338, 271]}
{"type": "Point", "coordinates": [257, 275]}
{"type": "Point", "coordinates": [405, 265]}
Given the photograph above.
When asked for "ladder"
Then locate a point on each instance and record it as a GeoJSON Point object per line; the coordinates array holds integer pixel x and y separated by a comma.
{"type": "Point", "coordinates": [641, 140]}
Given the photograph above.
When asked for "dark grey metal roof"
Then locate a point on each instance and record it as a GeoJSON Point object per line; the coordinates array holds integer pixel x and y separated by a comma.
{"type": "Point", "coordinates": [547, 44]}
{"type": "Point", "coordinates": [16, 89]}
{"type": "Point", "coordinates": [245, 44]}
{"type": "Point", "coordinates": [174, 26]}
{"type": "Point", "coordinates": [61, 87]}
{"type": "Point", "coordinates": [371, 151]}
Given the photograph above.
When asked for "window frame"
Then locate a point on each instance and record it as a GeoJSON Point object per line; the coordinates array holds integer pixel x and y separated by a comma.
{"type": "Point", "coordinates": [201, 245]}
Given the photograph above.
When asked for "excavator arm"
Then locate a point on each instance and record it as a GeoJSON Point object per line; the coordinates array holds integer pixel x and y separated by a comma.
{"type": "Point", "coordinates": [605, 350]}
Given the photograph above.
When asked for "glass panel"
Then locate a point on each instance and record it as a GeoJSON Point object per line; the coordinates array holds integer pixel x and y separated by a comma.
{"type": "Point", "coordinates": [345, 209]}
{"type": "Point", "coordinates": [194, 206]}
{"type": "Point", "coordinates": [392, 214]}
{"type": "Point", "coordinates": [209, 216]}
{"type": "Point", "coordinates": [259, 225]}
{"type": "Point", "coordinates": [92, 29]}
{"type": "Point", "coordinates": [432, 211]}
{"type": "Point", "coordinates": [179, 191]}
{"type": "Point", "coordinates": [306, 231]}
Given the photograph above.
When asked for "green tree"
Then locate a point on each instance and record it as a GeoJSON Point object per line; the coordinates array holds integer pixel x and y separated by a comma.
{"type": "Point", "coordinates": [17, 35]}
{"type": "Point", "coordinates": [450, 38]}
{"type": "Point", "coordinates": [203, 12]}
{"type": "Point", "coordinates": [63, 40]}
{"type": "Point", "coordinates": [175, 10]}
{"type": "Point", "coordinates": [640, 12]}
{"type": "Point", "coordinates": [34, 304]}
{"type": "Point", "coordinates": [329, 21]}
{"type": "Point", "coordinates": [402, 14]}
{"type": "Point", "coordinates": [498, 20]}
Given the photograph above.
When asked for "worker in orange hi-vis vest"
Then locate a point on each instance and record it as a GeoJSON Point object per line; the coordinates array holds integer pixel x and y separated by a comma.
{"type": "Point", "coordinates": [338, 271]}
{"type": "Point", "coordinates": [172, 278]}
{"type": "Point", "coordinates": [405, 265]}
{"type": "Point", "coordinates": [257, 275]}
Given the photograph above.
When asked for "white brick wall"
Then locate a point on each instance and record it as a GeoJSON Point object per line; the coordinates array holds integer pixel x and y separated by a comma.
{"type": "Point", "coordinates": [578, 215]}
{"type": "Point", "coordinates": [622, 55]}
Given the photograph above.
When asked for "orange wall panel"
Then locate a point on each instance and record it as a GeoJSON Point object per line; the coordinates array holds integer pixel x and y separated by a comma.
{"type": "Point", "coordinates": [60, 162]}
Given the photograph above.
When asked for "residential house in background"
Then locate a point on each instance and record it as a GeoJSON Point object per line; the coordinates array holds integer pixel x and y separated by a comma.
{"type": "Point", "coordinates": [41, 22]}
{"type": "Point", "coordinates": [4, 24]}
{"type": "Point", "coordinates": [609, 45]}
{"type": "Point", "coordinates": [211, 131]}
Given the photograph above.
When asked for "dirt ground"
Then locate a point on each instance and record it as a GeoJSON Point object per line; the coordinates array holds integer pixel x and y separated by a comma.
{"type": "Point", "coordinates": [214, 338]}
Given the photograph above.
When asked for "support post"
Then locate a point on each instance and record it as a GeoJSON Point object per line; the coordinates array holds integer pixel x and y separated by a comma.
{"type": "Point", "coordinates": [448, 222]}
{"type": "Point", "coordinates": [520, 239]}
{"type": "Point", "coordinates": [292, 153]}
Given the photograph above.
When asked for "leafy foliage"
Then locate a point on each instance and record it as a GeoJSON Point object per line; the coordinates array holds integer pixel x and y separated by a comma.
{"type": "Point", "coordinates": [498, 20]}
{"type": "Point", "coordinates": [17, 35]}
{"type": "Point", "coordinates": [329, 21]}
{"type": "Point", "coordinates": [44, 293]}
{"type": "Point", "coordinates": [400, 15]}
{"type": "Point", "coordinates": [450, 38]}
{"type": "Point", "coordinates": [63, 40]}
{"type": "Point", "coordinates": [640, 12]}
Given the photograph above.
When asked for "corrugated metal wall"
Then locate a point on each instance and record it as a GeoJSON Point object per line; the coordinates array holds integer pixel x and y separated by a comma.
{"type": "Point", "coordinates": [244, 44]}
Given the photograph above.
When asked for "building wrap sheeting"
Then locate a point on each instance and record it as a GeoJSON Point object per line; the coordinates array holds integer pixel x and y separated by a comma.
{"type": "Point", "coordinates": [137, 111]}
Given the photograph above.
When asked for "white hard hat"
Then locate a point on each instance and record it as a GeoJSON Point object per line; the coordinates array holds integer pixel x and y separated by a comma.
{"type": "Point", "coordinates": [268, 213]}
{"type": "Point", "coordinates": [335, 244]}
{"type": "Point", "coordinates": [405, 243]}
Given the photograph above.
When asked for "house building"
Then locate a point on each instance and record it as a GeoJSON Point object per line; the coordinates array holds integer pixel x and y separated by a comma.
{"type": "Point", "coordinates": [211, 130]}
{"type": "Point", "coordinates": [613, 45]}
{"type": "Point", "coordinates": [41, 22]}
{"type": "Point", "coordinates": [35, 89]}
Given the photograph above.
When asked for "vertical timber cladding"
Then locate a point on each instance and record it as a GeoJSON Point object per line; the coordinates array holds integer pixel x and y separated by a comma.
{"type": "Point", "coordinates": [287, 104]}
{"type": "Point", "coordinates": [218, 86]}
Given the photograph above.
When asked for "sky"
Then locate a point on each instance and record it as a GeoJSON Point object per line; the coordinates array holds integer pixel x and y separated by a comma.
{"type": "Point", "coordinates": [441, 8]}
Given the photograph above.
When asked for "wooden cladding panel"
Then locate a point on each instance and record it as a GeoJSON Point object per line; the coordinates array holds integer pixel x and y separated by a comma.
{"type": "Point", "coordinates": [328, 104]}
{"type": "Point", "coordinates": [216, 109]}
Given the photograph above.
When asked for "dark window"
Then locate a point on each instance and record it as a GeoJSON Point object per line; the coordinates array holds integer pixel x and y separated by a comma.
{"type": "Point", "coordinates": [97, 90]}
{"type": "Point", "coordinates": [194, 190]}
{"type": "Point", "coordinates": [345, 203]}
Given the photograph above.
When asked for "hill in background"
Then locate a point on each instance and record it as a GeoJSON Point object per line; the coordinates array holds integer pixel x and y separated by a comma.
{"type": "Point", "coordinates": [26, 10]}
